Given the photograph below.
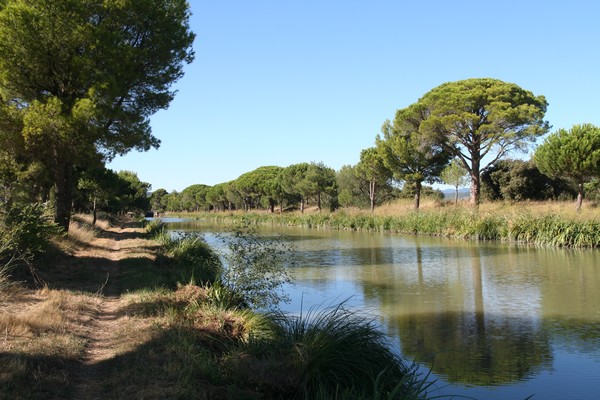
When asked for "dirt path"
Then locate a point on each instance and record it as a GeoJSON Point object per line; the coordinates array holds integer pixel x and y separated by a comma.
{"type": "Point", "coordinates": [105, 254]}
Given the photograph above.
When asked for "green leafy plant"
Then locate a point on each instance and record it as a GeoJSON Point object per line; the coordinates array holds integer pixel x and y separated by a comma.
{"type": "Point", "coordinates": [256, 267]}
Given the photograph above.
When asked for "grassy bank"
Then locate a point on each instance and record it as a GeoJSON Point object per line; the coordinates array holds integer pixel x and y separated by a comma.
{"type": "Point", "coordinates": [545, 224]}
{"type": "Point", "coordinates": [122, 316]}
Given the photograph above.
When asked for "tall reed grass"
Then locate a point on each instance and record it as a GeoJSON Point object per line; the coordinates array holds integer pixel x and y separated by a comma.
{"type": "Point", "coordinates": [455, 222]}
{"type": "Point", "coordinates": [193, 254]}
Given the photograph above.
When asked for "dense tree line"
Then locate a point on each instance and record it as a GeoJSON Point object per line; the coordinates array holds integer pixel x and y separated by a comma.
{"type": "Point", "coordinates": [458, 133]}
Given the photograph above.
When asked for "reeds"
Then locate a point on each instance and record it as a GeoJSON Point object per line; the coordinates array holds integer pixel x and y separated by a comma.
{"type": "Point", "coordinates": [509, 225]}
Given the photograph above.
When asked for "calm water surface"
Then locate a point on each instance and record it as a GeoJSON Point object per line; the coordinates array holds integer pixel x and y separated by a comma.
{"type": "Point", "coordinates": [491, 321]}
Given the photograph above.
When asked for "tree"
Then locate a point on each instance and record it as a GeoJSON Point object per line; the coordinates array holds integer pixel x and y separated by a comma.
{"type": "Point", "coordinates": [372, 169]}
{"type": "Point", "coordinates": [517, 180]}
{"type": "Point", "coordinates": [131, 193]}
{"type": "Point", "coordinates": [456, 175]}
{"type": "Point", "coordinates": [216, 197]}
{"type": "Point", "coordinates": [193, 197]}
{"type": "Point", "coordinates": [320, 180]}
{"type": "Point", "coordinates": [293, 181]}
{"type": "Point", "coordinates": [351, 189]}
{"type": "Point", "coordinates": [157, 200]}
{"type": "Point", "coordinates": [482, 118]}
{"type": "Point", "coordinates": [87, 75]}
{"type": "Point", "coordinates": [411, 156]}
{"type": "Point", "coordinates": [573, 153]}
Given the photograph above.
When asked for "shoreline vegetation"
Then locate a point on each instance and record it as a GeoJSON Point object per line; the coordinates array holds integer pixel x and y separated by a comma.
{"type": "Point", "coordinates": [122, 312]}
{"type": "Point", "coordinates": [545, 223]}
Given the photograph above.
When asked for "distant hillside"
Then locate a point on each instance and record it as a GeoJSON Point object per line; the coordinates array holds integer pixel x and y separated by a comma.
{"type": "Point", "coordinates": [462, 193]}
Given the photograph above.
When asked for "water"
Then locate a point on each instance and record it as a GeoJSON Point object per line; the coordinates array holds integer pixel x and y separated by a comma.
{"type": "Point", "coordinates": [491, 321]}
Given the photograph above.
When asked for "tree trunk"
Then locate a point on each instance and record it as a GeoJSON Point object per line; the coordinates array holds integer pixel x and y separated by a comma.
{"type": "Point", "coordinates": [475, 183]}
{"type": "Point", "coordinates": [417, 195]}
{"type": "Point", "coordinates": [372, 195]}
{"type": "Point", "coordinates": [579, 196]}
{"type": "Point", "coordinates": [302, 204]}
{"type": "Point", "coordinates": [94, 215]}
{"type": "Point", "coordinates": [64, 194]}
{"type": "Point", "coordinates": [456, 196]}
{"type": "Point", "coordinates": [319, 201]}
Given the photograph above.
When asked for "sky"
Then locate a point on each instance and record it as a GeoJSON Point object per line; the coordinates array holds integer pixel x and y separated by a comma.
{"type": "Point", "coordinates": [287, 81]}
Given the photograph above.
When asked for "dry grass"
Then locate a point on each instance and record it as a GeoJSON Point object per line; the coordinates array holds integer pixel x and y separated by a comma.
{"type": "Point", "coordinates": [42, 332]}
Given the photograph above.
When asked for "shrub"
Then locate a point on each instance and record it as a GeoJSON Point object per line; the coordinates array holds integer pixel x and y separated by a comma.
{"type": "Point", "coordinates": [194, 255]}
{"type": "Point", "coordinates": [256, 267]}
{"type": "Point", "coordinates": [155, 227]}
{"type": "Point", "coordinates": [328, 353]}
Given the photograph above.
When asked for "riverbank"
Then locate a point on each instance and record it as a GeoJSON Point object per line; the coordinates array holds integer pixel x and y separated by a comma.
{"type": "Point", "coordinates": [545, 224]}
{"type": "Point", "coordinates": [116, 318]}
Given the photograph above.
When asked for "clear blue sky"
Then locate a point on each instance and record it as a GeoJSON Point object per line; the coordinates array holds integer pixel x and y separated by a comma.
{"type": "Point", "coordinates": [279, 82]}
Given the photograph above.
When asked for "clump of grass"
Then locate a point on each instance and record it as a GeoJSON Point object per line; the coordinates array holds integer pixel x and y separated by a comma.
{"type": "Point", "coordinates": [327, 353]}
{"type": "Point", "coordinates": [155, 227]}
{"type": "Point", "coordinates": [194, 256]}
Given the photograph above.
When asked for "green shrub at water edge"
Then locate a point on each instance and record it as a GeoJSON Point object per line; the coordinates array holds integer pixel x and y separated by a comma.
{"type": "Point", "coordinates": [194, 256]}
{"type": "Point", "coordinates": [329, 353]}
{"type": "Point", "coordinates": [155, 227]}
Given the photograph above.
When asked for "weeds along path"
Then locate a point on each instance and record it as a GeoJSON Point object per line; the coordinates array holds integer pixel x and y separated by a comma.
{"type": "Point", "coordinates": [106, 255]}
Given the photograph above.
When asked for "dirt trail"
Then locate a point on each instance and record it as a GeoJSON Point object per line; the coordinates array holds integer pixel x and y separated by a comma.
{"type": "Point", "coordinates": [105, 254]}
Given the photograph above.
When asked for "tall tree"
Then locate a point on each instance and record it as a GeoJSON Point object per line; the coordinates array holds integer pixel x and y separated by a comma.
{"type": "Point", "coordinates": [320, 180]}
{"type": "Point", "coordinates": [293, 181]}
{"type": "Point", "coordinates": [456, 175]}
{"type": "Point", "coordinates": [372, 168]}
{"type": "Point", "coordinates": [88, 74]}
{"type": "Point", "coordinates": [482, 118]}
{"type": "Point", "coordinates": [573, 154]}
{"type": "Point", "coordinates": [411, 156]}
{"type": "Point", "coordinates": [157, 200]}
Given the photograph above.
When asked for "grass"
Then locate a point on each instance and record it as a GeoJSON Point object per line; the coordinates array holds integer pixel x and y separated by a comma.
{"type": "Point", "coordinates": [40, 343]}
{"type": "Point", "coordinates": [548, 224]}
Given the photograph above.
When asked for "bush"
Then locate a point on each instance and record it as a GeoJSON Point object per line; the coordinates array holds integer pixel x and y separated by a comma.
{"type": "Point", "coordinates": [155, 227]}
{"type": "Point", "coordinates": [328, 353]}
{"type": "Point", "coordinates": [256, 267]}
{"type": "Point", "coordinates": [194, 255]}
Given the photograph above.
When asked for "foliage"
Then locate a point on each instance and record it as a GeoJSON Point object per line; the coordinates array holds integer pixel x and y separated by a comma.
{"type": "Point", "coordinates": [86, 75]}
{"type": "Point", "coordinates": [518, 180]}
{"type": "Point", "coordinates": [351, 191]}
{"type": "Point", "coordinates": [372, 169]}
{"type": "Point", "coordinates": [331, 351]}
{"type": "Point", "coordinates": [592, 189]}
{"type": "Point", "coordinates": [477, 119]}
{"type": "Point", "coordinates": [539, 229]}
{"type": "Point", "coordinates": [157, 200]}
{"type": "Point", "coordinates": [573, 154]}
{"type": "Point", "coordinates": [193, 198]}
{"type": "Point", "coordinates": [155, 227]}
{"type": "Point", "coordinates": [309, 179]}
{"type": "Point", "coordinates": [256, 267]}
{"type": "Point", "coordinates": [456, 175]}
{"type": "Point", "coordinates": [199, 261]}
{"type": "Point", "coordinates": [407, 153]}
{"type": "Point", "coordinates": [25, 232]}
{"type": "Point", "coordinates": [258, 187]}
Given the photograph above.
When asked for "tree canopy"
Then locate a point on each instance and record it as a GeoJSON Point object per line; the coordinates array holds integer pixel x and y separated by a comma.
{"type": "Point", "coordinates": [372, 169]}
{"type": "Point", "coordinates": [573, 154]}
{"type": "Point", "coordinates": [412, 157]}
{"type": "Point", "coordinates": [86, 75]}
{"type": "Point", "coordinates": [456, 175]}
{"type": "Point", "coordinates": [481, 120]}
